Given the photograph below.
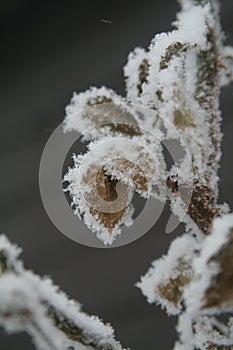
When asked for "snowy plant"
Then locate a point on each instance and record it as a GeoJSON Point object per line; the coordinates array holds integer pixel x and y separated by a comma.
{"type": "Point", "coordinates": [35, 305]}
{"type": "Point", "coordinates": [172, 92]}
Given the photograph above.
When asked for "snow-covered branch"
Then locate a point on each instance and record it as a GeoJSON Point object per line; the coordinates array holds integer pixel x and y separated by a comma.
{"type": "Point", "coordinates": [172, 92]}
{"type": "Point", "coordinates": [35, 305]}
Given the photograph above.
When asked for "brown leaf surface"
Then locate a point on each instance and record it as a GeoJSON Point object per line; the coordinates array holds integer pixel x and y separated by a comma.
{"type": "Point", "coordinates": [106, 188]}
{"type": "Point", "coordinates": [221, 290]}
{"type": "Point", "coordinates": [172, 290]}
{"type": "Point", "coordinates": [202, 206]}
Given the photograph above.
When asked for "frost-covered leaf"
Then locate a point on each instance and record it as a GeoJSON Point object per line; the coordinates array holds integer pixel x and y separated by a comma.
{"type": "Point", "coordinates": [183, 86]}
{"type": "Point", "coordinates": [177, 82]}
{"type": "Point", "coordinates": [184, 65]}
{"type": "Point", "coordinates": [34, 305]}
{"type": "Point", "coordinates": [98, 112]}
{"type": "Point", "coordinates": [136, 73]}
{"type": "Point", "coordinates": [214, 268]}
{"type": "Point", "coordinates": [165, 281]}
{"type": "Point", "coordinates": [203, 207]}
{"type": "Point", "coordinates": [167, 56]}
{"type": "Point", "coordinates": [199, 202]}
{"type": "Point", "coordinates": [101, 181]}
{"type": "Point", "coordinates": [178, 79]}
{"type": "Point", "coordinates": [211, 290]}
{"type": "Point", "coordinates": [220, 292]}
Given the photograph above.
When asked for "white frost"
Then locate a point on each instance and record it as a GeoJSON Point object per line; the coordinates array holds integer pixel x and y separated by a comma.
{"type": "Point", "coordinates": [25, 303]}
{"type": "Point", "coordinates": [166, 269]}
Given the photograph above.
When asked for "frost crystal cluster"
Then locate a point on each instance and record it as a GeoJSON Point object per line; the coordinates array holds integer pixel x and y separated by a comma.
{"type": "Point", "coordinates": [172, 93]}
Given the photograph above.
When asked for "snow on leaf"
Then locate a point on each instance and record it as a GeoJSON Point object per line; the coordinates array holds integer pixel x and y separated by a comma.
{"type": "Point", "coordinates": [165, 281]}
{"type": "Point", "coordinates": [98, 112]}
{"type": "Point", "coordinates": [211, 289]}
{"type": "Point", "coordinates": [177, 81]}
{"type": "Point", "coordinates": [167, 55]}
{"type": "Point", "coordinates": [101, 181]}
{"type": "Point", "coordinates": [210, 268]}
{"type": "Point", "coordinates": [183, 86]}
{"type": "Point", "coordinates": [220, 292]}
{"type": "Point", "coordinates": [136, 73]}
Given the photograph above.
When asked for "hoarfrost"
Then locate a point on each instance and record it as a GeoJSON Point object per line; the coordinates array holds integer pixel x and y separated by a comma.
{"type": "Point", "coordinates": [166, 279]}
{"type": "Point", "coordinates": [35, 305]}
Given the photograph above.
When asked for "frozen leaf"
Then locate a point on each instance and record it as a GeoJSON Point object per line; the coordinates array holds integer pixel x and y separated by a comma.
{"type": "Point", "coordinates": [101, 181]}
{"type": "Point", "coordinates": [211, 289]}
{"type": "Point", "coordinates": [198, 202]}
{"type": "Point", "coordinates": [165, 281]}
{"type": "Point", "coordinates": [203, 208]}
{"type": "Point", "coordinates": [214, 267]}
{"type": "Point", "coordinates": [176, 84]}
{"type": "Point", "coordinates": [98, 112]}
{"type": "Point", "coordinates": [220, 292]}
{"type": "Point", "coordinates": [183, 85]}
{"type": "Point", "coordinates": [136, 73]}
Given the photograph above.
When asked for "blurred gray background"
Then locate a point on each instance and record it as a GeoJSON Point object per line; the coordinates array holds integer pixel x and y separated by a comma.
{"type": "Point", "coordinates": [48, 50]}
